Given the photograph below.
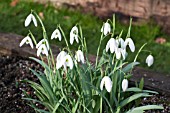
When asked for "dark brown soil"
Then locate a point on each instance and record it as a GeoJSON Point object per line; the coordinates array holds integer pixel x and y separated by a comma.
{"type": "Point", "coordinates": [14, 69]}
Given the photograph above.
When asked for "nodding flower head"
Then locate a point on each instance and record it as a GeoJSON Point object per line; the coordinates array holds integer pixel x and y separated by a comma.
{"type": "Point", "coordinates": [106, 28]}
{"type": "Point", "coordinates": [106, 81]}
{"type": "Point", "coordinates": [56, 34]}
{"type": "Point", "coordinates": [130, 43]}
{"type": "Point", "coordinates": [26, 40]}
{"type": "Point", "coordinates": [68, 62]}
{"type": "Point", "coordinates": [42, 49]}
{"type": "Point", "coordinates": [74, 35]}
{"type": "Point", "coordinates": [43, 41]}
{"type": "Point", "coordinates": [149, 60]}
{"type": "Point", "coordinates": [60, 59]}
{"type": "Point", "coordinates": [112, 45]}
{"type": "Point", "coordinates": [79, 56]}
{"type": "Point", "coordinates": [124, 84]}
{"type": "Point", "coordinates": [30, 18]}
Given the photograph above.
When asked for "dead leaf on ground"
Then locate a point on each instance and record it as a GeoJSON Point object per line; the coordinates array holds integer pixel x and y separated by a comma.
{"type": "Point", "coordinates": [14, 3]}
{"type": "Point", "coordinates": [41, 14]}
{"type": "Point", "coordinates": [160, 40]}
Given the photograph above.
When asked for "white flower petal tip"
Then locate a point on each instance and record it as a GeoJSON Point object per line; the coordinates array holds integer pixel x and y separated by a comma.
{"type": "Point", "coordinates": [106, 28]}
{"type": "Point", "coordinates": [56, 34]}
{"type": "Point", "coordinates": [60, 59]}
{"type": "Point", "coordinates": [79, 56]}
{"type": "Point", "coordinates": [30, 18]}
{"type": "Point", "coordinates": [149, 60]}
{"type": "Point", "coordinates": [106, 81]}
{"type": "Point", "coordinates": [42, 49]}
{"type": "Point", "coordinates": [43, 41]}
{"type": "Point", "coordinates": [131, 44]}
{"type": "Point", "coordinates": [124, 85]}
{"type": "Point", "coordinates": [26, 40]}
{"type": "Point", "coordinates": [74, 35]}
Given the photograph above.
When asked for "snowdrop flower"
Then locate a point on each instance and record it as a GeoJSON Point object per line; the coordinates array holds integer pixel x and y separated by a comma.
{"type": "Point", "coordinates": [106, 81]}
{"type": "Point", "coordinates": [129, 42]}
{"type": "Point", "coordinates": [79, 56]}
{"type": "Point", "coordinates": [42, 49]}
{"type": "Point", "coordinates": [112, 45]}
{"type": "Point", "coordinates": [68, 62]}
{"type": "Point", "coordinates": [26, 40]}
{"type": "Point", "coordinates": [60, 59]}
{"type": "Point", "coordinates": [30, 18]}
{"type": "Point", "coordinates": [149, 60]}
{"type": "Point", "coordinates": [124, 84]}
{"type": "Point", "coordinates": [74, 35]}
{"type": "Point", "coordinates": [106, 28]}
{"type": "Point", "coordinates": [56, 34]}
{"type": "Point", "coordinates": [43, 41]}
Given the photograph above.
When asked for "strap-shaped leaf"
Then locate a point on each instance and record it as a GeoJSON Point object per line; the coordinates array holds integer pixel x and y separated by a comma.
{"type": "Point", "coordinates": [129, 66]}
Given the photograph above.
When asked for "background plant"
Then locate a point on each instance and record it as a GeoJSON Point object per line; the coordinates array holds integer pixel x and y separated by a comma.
{"type": "Point", "coordinates": [68, 84]}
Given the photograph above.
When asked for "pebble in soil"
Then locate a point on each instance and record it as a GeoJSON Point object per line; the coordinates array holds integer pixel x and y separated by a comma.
{"type": "Point", "coordinates": [14, 69]}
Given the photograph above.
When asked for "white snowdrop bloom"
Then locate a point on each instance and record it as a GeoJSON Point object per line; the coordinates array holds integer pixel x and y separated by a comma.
{"type": "Point", "coordinates": [42, 49]}
{"type": "Point", "coordinates": [112, 45]}
{"type": "Point", "coordinates": [106, 81]}
{"type": "Point", "coordinates": [124, 84]}
{"type": "Point", "coordinates": [74, 35]}
{"type": "Point", "coordinates": [68, 62]}
{"type": "Point", "coordinates": [130, 43]}
{"type": "Point", "coordinates": [56, 34]}
{"type": "Point", "coordinates": [30, 18]}
{"type": "Point", "coordinates": [26, 40]}
{"type": "Point", "coordinates": [43, 41]}
{"type": "Point", "coordinates": [121, 43]}
{"type": "Point", "coordinates": [60, 59]}
{"type": "Point", "coordinates": [79, 56]}
{"type": "Point", "coordinates": [149, 60]}
{"type": "Point", "coordinates": [106, 28]}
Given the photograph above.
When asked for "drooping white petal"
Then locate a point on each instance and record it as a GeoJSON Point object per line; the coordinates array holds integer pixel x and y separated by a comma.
{"type": "Point", "coordinates": [106, 28]}
{"type": "Point", "coordinates": [68, 61]}
{"type": "Point", "coordinates": [26, 40]}
{"type": "Point", "coordinates": [123, 52]}
{"type": "Point", "coordinates": [120, 42]}
{"type": "Point", "coordinates": [79, 56]}
{"type": "Point", "coordinates": [74, 35]}
{"type": "Point", "coordinates": [42, 49]}
{"type": "Point", "coordinates": [56, 34]}
{"type": "Point", "coordinates": [124, 84]}
{"type": "Point", "coordinates": [118, 53]}
{"type": "Point", "coordinates": [111, 44]}
{"type": "Point", "coordinates": [43, 41]}
{"type": "Point", "coordinates": [60, 59]}
{"type": "Point", "coordinates": [106, 81]}
{"type": "Point", "coordinates": [149, 60]}
{"type": "Point", "coordinates": [34, 20]}
{"type": "Point", "coordinates": [131, 44]}
{"type": "Point", "coordinates": [28, 20]}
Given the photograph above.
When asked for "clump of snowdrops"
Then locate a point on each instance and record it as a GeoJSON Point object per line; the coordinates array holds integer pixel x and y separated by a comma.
{"type": "Point", "coordinates": [71, 83]}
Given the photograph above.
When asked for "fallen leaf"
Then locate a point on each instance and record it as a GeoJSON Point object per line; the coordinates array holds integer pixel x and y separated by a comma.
{"type": "Point", "coordinates": [160, 40]}
{"type": "Point", "coordinates": [14, 3]}
{"type": "Point", "coordinates": [41, 14]}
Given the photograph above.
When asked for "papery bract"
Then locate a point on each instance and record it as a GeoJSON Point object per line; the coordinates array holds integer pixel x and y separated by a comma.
{"type": "Point", "coordinates": [106, 28]}
{"type": "Point", "coordinates": [106, 81]}
{"type": "Point", "coordinates": [42, 49]}
{"type": "Point", "coordinates": [60, 59]}
{"type": "Point", "coordinates": [30, 18]}
{"type": "Point", "coordinates": [124, 84]}
{"type": "Point", "coordinates": [79, 56]}
{"type": "Point", "coordinates": [56, 34]}
{"type": "Point", "coordinates": [26, 40]}
{"type": "Point", "coordinates": [149, 60]}
{"type": "Point", "coordinates": [74, 35]}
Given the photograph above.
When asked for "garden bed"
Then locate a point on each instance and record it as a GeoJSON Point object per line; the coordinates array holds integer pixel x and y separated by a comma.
{"type": "Point", "coordinates": [13, 69]}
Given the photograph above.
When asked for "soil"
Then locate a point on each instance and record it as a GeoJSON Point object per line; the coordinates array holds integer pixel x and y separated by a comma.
{"type": "Point", "coordinates": [13, 69]}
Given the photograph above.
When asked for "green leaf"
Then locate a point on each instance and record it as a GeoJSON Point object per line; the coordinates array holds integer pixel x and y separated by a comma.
{"type": "Point", "coordinates": [141, 84]}
{"type": "Point", "coordinates": [134, 89]}
{"type": "Point", "coordinates": [132, 98]}
{"type": "Point", "coordinates": [129, 67]}
{"type": "Point", "coordinates": [141, 109]}
{"type": "Point", "coordinates": [57, 105]}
